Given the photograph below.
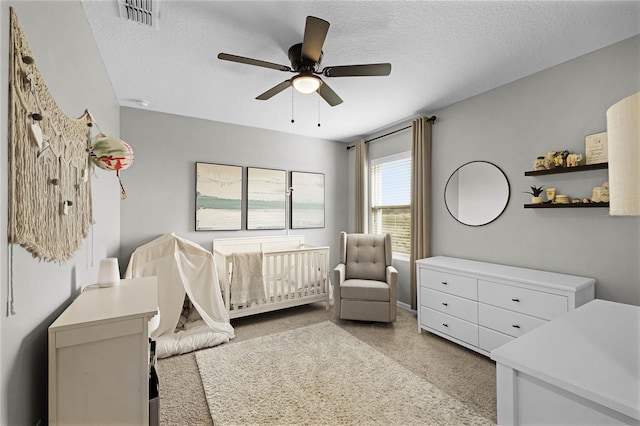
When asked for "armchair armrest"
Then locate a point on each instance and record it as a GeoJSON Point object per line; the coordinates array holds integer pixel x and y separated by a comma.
{"type": "Point", "coordinates": [392, 280]}
{"type": "Point", "coordinates": [392, 277]}
{"type": "Point", "coordinates": [338, 279]}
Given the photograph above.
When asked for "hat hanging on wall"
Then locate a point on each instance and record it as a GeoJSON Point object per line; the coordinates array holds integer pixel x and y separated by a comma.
{"type": "Point", "coordinates": [623, 129]}
{"type": "Point", "coordinates": [109, 153]}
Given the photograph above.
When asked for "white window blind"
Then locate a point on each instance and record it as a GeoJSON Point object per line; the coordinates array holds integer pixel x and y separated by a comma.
{"type": "Point", "coordinates": [391, 199]}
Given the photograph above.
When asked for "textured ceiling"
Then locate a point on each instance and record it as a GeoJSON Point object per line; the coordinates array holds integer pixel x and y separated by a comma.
{"type": "Point", "coordinates": [441, 52]}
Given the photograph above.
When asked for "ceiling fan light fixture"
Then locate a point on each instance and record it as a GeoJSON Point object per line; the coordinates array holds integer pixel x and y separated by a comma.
{"type": "Point", "coordinates": [306, 83]}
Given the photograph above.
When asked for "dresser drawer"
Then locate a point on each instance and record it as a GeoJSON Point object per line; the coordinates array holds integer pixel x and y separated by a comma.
{"type": "Point", "coordinates": [451, 326]}
{"type": "Point", "coordinates": [530, 302]}
{"type": "Point", "coordinates": [507, 322]}
{"type": "Point", "coordinates": [449, 304]}
{"type": "Point", "coordinates": [449, 283]}
{"type": "Point", "coordinates": [490, 339]}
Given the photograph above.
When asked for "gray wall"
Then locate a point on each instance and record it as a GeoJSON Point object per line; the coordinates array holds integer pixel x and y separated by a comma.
{"type": "Point", "coordinates": [161, 183]}
{"type": "Point", "coordinates": [512, 125]}
{"type": "Point", "coordinates": [68, 58]}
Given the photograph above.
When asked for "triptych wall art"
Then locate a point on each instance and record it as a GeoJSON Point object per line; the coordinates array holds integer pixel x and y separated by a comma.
{"type": "Point", "coordinates": [220, 196]}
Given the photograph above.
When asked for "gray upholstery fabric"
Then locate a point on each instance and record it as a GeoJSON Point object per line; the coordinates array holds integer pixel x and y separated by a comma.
{"type": "Point", "coordinates": [365, 282]}
{"type": "Point", "coordinates": [365, 289]}
{"type": "Point", "coordinates": [366, 258]}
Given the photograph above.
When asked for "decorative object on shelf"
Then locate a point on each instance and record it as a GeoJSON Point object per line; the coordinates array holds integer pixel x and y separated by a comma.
{"type": "Point", "coordinates": [535, 192]}
{"type": "Point", "coordinates": [595, 148]}
{"type": "Point", "coordinates": [538, 163]}
{"type": "Point", "coordinates": [574, 160]}
{"type": "Point", "coordinates": [109, 153]}
{"type": "Point", "coordinates": [307, 200]}
{"type": "Point", "coordinates": [562, 199]}
{"type": "Point", "coordinates": [623, 126]}
{"type": "Point", "coordinates": [560, 158]}
{"type": "Point", "coordinates": [218, 197]}
{"type": "Point", "coordinates": [549, 160]}
{"type": "Point", "coordinates": [551, 194]}
{"type": "Point", "coordinates": [600, 194]}
{"type": "Point", "coordinates": [557, 159]}
{"type": "Point", "coordinates": [50, 209]}
{"type": "Point", "coordinates": [109, 272]}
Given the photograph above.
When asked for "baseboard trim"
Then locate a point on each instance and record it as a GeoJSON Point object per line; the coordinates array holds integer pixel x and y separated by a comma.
{"type": "Point", "coordinates": [406, 307]}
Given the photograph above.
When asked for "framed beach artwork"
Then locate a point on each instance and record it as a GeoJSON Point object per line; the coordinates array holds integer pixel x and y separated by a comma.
{"type": "Point", "coordinates": [307, 200]}
{"type": "Point", "coordinates": [266, 198]}
{"type": "Point", "coordinates": [218, 197]}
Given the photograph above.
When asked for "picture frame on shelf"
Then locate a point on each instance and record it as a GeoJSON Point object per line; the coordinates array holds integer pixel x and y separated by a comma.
{"type": "Point", "coordinates": [218, 197]}
{"type": "Point", "coordinates": [596, 148]}
{"type": "Point", "coordinates": [266, 198]}
{"type": "Point", "coordinates": [307, 200]}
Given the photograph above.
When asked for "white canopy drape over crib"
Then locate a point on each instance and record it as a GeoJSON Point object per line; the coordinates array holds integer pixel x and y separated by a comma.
{"type": "Point", "coordinates": [181, 267]}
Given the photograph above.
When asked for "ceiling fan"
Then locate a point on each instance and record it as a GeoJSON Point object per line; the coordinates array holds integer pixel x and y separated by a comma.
{"type": "Point", "coordinates": [305, 61]}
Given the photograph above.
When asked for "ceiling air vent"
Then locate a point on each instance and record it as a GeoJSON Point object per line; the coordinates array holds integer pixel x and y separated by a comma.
{"type": "Point", "coordinates": [144, 12]}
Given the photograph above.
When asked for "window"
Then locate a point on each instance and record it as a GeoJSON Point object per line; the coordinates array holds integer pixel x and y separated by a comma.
{"type": "Point", "coordinates": [391, 199]}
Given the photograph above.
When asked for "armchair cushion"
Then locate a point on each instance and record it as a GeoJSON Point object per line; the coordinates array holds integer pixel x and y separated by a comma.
{"type": "Point", "coordinates": [365, 290]}
{"type": "Point", "coordinates": [365, 257]}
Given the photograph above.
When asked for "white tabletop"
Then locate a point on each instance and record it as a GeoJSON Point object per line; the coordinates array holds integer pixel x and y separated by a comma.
{"type": "Point", "coordinates": [538, 278]}
{"type": "Point", "coordinates": [592, 351]}
{"type": "Point", "coordinates": [134, 298]}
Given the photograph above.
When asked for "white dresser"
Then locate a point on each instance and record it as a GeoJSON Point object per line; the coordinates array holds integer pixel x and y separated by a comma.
{"type": "Point", "coordinates": [484, 305]}
{"type": "Point", "coordinates": [580, 369]}
{"type": "Point", "coordinates": [99, 356]}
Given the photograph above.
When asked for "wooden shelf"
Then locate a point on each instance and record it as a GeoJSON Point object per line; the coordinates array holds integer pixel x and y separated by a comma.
{"type": "Point", "coordinates": [567, 169]}
{"type": "Point", "coordinates": [564, 206]}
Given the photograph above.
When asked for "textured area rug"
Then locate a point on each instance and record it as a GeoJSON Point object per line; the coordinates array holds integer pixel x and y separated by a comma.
{"type": "Point", "coordinates": [320, 375]}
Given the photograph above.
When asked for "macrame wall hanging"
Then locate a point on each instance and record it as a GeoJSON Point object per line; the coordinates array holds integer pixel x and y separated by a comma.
{"type": "Point", "coordinates": [49, 186]}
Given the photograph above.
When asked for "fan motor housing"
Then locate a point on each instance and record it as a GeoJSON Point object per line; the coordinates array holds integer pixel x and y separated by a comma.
{"type": "Point", "coordinates": [298, 63]}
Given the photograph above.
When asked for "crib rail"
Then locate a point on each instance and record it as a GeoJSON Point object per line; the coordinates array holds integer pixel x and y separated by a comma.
{"type": "Point", "coordinates": [291, 278]}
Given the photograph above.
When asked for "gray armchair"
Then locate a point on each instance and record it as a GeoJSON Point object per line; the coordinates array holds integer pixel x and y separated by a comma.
{"type": "Point", "coordinates": [364, 282]}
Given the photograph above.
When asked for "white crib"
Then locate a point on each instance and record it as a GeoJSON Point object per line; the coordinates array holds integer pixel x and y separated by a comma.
{"type": "Point", "coordinates": [294, 273]}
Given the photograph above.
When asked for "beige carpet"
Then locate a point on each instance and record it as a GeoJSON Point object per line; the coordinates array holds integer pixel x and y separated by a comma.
{"type": "Point", "coordinates": [463, 374]}
{"type": "Point", "coordinates": [320, 375]}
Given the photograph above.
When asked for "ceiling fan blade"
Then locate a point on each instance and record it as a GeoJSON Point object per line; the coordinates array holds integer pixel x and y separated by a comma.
{"type": "Point", "coordinates": [329, 95]}
{"type": "Point", "coordinates": [368, 70]}
{"type": "Point", "coordinates": [315, 31]}
{"type": "Point", "coordinates": [274, 90]}
{"type": "Point", "coordinates": [250, 61]}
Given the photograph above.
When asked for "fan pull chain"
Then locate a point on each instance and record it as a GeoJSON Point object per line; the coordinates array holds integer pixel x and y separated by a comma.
{"type": "Point", "coordinates": [292, 120]}
{"type": "Point", "coordinates": [318, 111]}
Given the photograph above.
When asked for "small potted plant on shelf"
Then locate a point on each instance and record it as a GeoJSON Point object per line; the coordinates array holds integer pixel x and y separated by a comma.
{"type": "Point", "coordinates": [535, 192]}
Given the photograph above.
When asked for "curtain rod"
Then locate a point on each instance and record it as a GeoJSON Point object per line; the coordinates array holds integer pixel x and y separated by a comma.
{"type": "Point", "coordinates": [432, 119]}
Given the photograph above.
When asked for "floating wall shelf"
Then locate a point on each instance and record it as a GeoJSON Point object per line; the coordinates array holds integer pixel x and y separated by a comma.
{"type": "Point", "coordinates": [557, 170]}
{"type": "Point", "coordinates": [564, 206]}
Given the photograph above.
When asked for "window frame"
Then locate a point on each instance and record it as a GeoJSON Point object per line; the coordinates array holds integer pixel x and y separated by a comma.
{"type": "Point", "coordinates": [388, 159]}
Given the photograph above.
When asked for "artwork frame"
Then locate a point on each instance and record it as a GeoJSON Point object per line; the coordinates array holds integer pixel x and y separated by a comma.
{"type": "Point", "coordinates": [307, 200]}
{"type": "Point", "coordinates": [596, 148]}
{"type": "Point", "coordinates": [218, 197]}
{"type": "Point", "coordinates": [266, 198]}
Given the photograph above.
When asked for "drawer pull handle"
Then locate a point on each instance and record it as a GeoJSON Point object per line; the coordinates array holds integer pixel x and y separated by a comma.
{"type": "Point", "coordinates": [445, 303]}
{"type": "Point", "coordinates": [515, 326]}
{"type": "Point", "coordinates": [444, 282]}
{"type": "Point", "coordinates": [446, 325]}
{"type": "Point", "coordinates": [515, 300]}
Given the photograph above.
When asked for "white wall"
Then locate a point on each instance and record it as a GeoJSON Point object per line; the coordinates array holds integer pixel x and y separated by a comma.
{"type": "Point", "coordinates": [67, 56]}
{"type": "Point", "coordinates": [161, 182]}
{"type": "Point", "coordinates": [512, 125]}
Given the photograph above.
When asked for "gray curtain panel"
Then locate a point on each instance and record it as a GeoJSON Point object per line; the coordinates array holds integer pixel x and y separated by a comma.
{"type": "Point", "coordinates": [420, 197]}
{"type": "Point", "coordinates": [362, 187]}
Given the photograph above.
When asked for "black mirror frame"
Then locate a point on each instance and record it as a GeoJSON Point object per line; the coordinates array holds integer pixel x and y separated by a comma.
{"type": "Point", "coordinates": [505, 204]}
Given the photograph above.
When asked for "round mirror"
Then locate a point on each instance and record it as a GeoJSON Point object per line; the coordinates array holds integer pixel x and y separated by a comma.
{"type": "Point", "coordinates": [477, 193]}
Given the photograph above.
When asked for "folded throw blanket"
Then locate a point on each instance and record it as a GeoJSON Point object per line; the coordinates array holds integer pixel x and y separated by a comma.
{"type": "Point", "coordinates": [247, 282]}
